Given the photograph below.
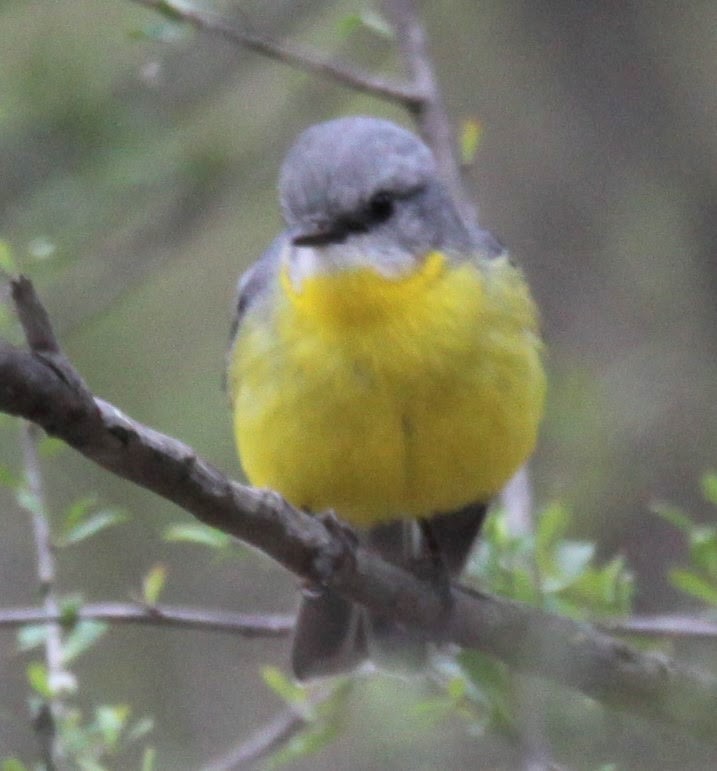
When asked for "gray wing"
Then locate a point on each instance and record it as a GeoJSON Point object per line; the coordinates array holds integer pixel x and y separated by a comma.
{"type": "Point", "coordinates": [486, 243]}
{"type": "Point", "coordinates": [253, 286]}
{"type": "Point", "coordinates": [254, 283]}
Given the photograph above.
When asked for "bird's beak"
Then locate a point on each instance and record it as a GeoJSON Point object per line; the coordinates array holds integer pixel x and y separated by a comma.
{"type": "Point", "coordinates": [314, 234]}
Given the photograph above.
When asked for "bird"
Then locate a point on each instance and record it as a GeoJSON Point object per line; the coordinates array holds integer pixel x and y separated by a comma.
{"type": "Point", "coordinates": [385, 364]}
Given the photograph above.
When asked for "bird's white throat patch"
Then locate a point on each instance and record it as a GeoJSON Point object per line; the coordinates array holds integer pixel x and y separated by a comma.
{"type": "Point", "coordinates": [305, 262]}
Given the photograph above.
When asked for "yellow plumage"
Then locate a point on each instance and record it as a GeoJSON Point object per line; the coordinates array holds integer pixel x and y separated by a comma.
{"type": "Point", "coordinates": [385, 398]}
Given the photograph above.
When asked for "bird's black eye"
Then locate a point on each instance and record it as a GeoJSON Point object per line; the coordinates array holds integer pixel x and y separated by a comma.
{"type": "Point", "coordinates": [380, 207]}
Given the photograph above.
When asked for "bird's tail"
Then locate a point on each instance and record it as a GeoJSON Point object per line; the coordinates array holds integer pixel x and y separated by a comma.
{"type": "Point", "coordinates": [333, 635]}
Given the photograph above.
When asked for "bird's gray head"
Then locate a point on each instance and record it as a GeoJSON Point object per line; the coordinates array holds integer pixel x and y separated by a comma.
{"type": "Point", "coordinates": [361, 191]}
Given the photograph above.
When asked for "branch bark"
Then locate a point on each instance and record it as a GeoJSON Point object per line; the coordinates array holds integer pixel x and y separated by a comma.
{"type": "Point", "coordinates": [50, 393]}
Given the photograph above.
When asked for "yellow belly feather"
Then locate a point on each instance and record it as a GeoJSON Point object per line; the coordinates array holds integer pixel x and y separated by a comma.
{"type": "Point", "coordinates": [385, 399]}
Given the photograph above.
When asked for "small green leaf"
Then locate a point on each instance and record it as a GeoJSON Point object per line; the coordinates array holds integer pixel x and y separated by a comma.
{"type": "Point", "coordinates": [13, 764]}
{"type": "Point", "coordinates": [471, 134]}
{"type": "Point", "coordinates": [82, 637]}
{"type": "Point", "coordinates": [377, 24]}
{"type": "Point", "coordinates": [31, 636]}
{"type": "Point", "coordinates": [91, 526]}
{"type": "Point", "coordinates": [70, 606]}
{"type": "Point", "coordinates": [7, 263]}
{"type": "Point", "coordinates": [78, 510]}
{"type": "Point", "coordinates": [283, 687]}
{"type": "Point", "coordinates": [695, 585]}
{"type": "Point", "coordinates": [492, 685]}
{"type": "Point", "coordinates": [37, 677]}
{"type": "Point", "coordinates": [29, 501]}
{"type": "Point", "coordinates": [523, 585]}
{"type": "Point", "coordinates": [673, 514]}
{"type": "Point", "coordinates": [368, 19]}
{"type": "Point", "coordinates": [153, 583]}
{"type": "Point", "coordinates": [456, 688]}
{"type": "Point", "coordinates": [110, 721]}
{"type": "Point", "coordinates": [572, 559]}
{"type": "Point", "coordinates": [6, 319]}
{"type": "Point", "coordinates": [709, 487]}
{"type": "Point", "coordinates": [172, 9]}
{"type": "Point", "coordinates": [200, 534]}
{"type": "Point", "coordinates": [8, 478]}
{"type": "Point", "coordinates": [553, 523]}
{"type": "Point", "coordinates": [140, 729]}
{"type": "Point", "coordinates": [308, 742]}
{"type": "Point", "coordinates": [51, 447]}
{"type": "Point", "coordinates": [703, 549]}
{"type": "Point", "coordinates": [149, 759]}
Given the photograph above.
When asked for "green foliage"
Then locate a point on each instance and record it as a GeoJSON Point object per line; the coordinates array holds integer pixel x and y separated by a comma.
{"type": "Point", "coordinates": [369, 19]}
{"type": "Point", "coordinates": [470, 689]}
{"type": "Point", "coordinates": [38, 679]}
{"type": "Point", "coordinates": [545, 568]}
{"type": "Point", "coordinates": [7, 261]}
{"type": "Point", "coordinates": [709, 487]}
{"type": "Point", "coordinates": [194, 532]}
{"type": "Point", "coordinates": [81, 521]}
{"type": "Point", "coordinates": [82, 637]}
{"type": "Point", "coordinates": [548, 569]}
{"type": "Point", "coordinates": [107, 734]}
{"type": "Point", "coordinates": [110, 732]}
{"type": "Point", "coordinates": [285, 688]}
{"type": "Point", "coordinates": [470, 139]}
{"type": "Point", "coordinates": [153, 583]}
{"type": "Point", "coordinates": [8, 478]}
{"type": "Point", "coordinates": [13, 764]}
{"type": "Point", "coordinates": [321, 719]}
{"type": "Point", "coordinates": [699, 579]}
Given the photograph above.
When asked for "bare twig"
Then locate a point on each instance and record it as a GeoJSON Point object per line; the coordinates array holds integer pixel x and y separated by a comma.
{"type": "Point", "coordinates": [37, 325]}
{"type": "Point", "coordinates": [275, 732]}
{"type": "Point", "coordinates": [531, 640]}
{"type": "Point", "coordinates": [668, 625]}
{"type": "Point", "coordinates": [245, 624]}
{"type": "Point", "coordinates": [299, 58]}
{"type": "Point", "coordinates": [429, 110]}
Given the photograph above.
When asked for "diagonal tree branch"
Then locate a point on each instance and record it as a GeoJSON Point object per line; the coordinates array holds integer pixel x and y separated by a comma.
{"type": "Point", "coordinates": [533, 641]}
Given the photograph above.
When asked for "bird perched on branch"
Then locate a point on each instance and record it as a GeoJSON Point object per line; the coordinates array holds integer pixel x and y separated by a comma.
{"type": "Point", "coordinates": [385, 364]}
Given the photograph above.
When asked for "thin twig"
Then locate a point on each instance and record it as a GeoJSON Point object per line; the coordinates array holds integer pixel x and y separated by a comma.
{"type": "Point", "coordinates": [674, 626]}
{"type": "Point", "coordinates": [275, 732]}
{"type": "Point", "coordinates": [429, 110]}
{"type": "Point", "coordinates": [299, 58]}
{"type": "Point", "coordinates": [46, 723]}
{"type": "Point", "coordinates": [516, 500]}
{"type": "Point", "coordinates": [246, 624]}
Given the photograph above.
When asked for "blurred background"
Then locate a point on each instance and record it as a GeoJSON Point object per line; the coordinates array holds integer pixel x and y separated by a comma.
{"type": "Point", "coordinates": [138, 163]}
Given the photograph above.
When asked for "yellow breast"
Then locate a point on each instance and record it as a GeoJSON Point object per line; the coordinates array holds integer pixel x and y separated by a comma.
{"type": "Point", "coordinates": [389, 398]}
